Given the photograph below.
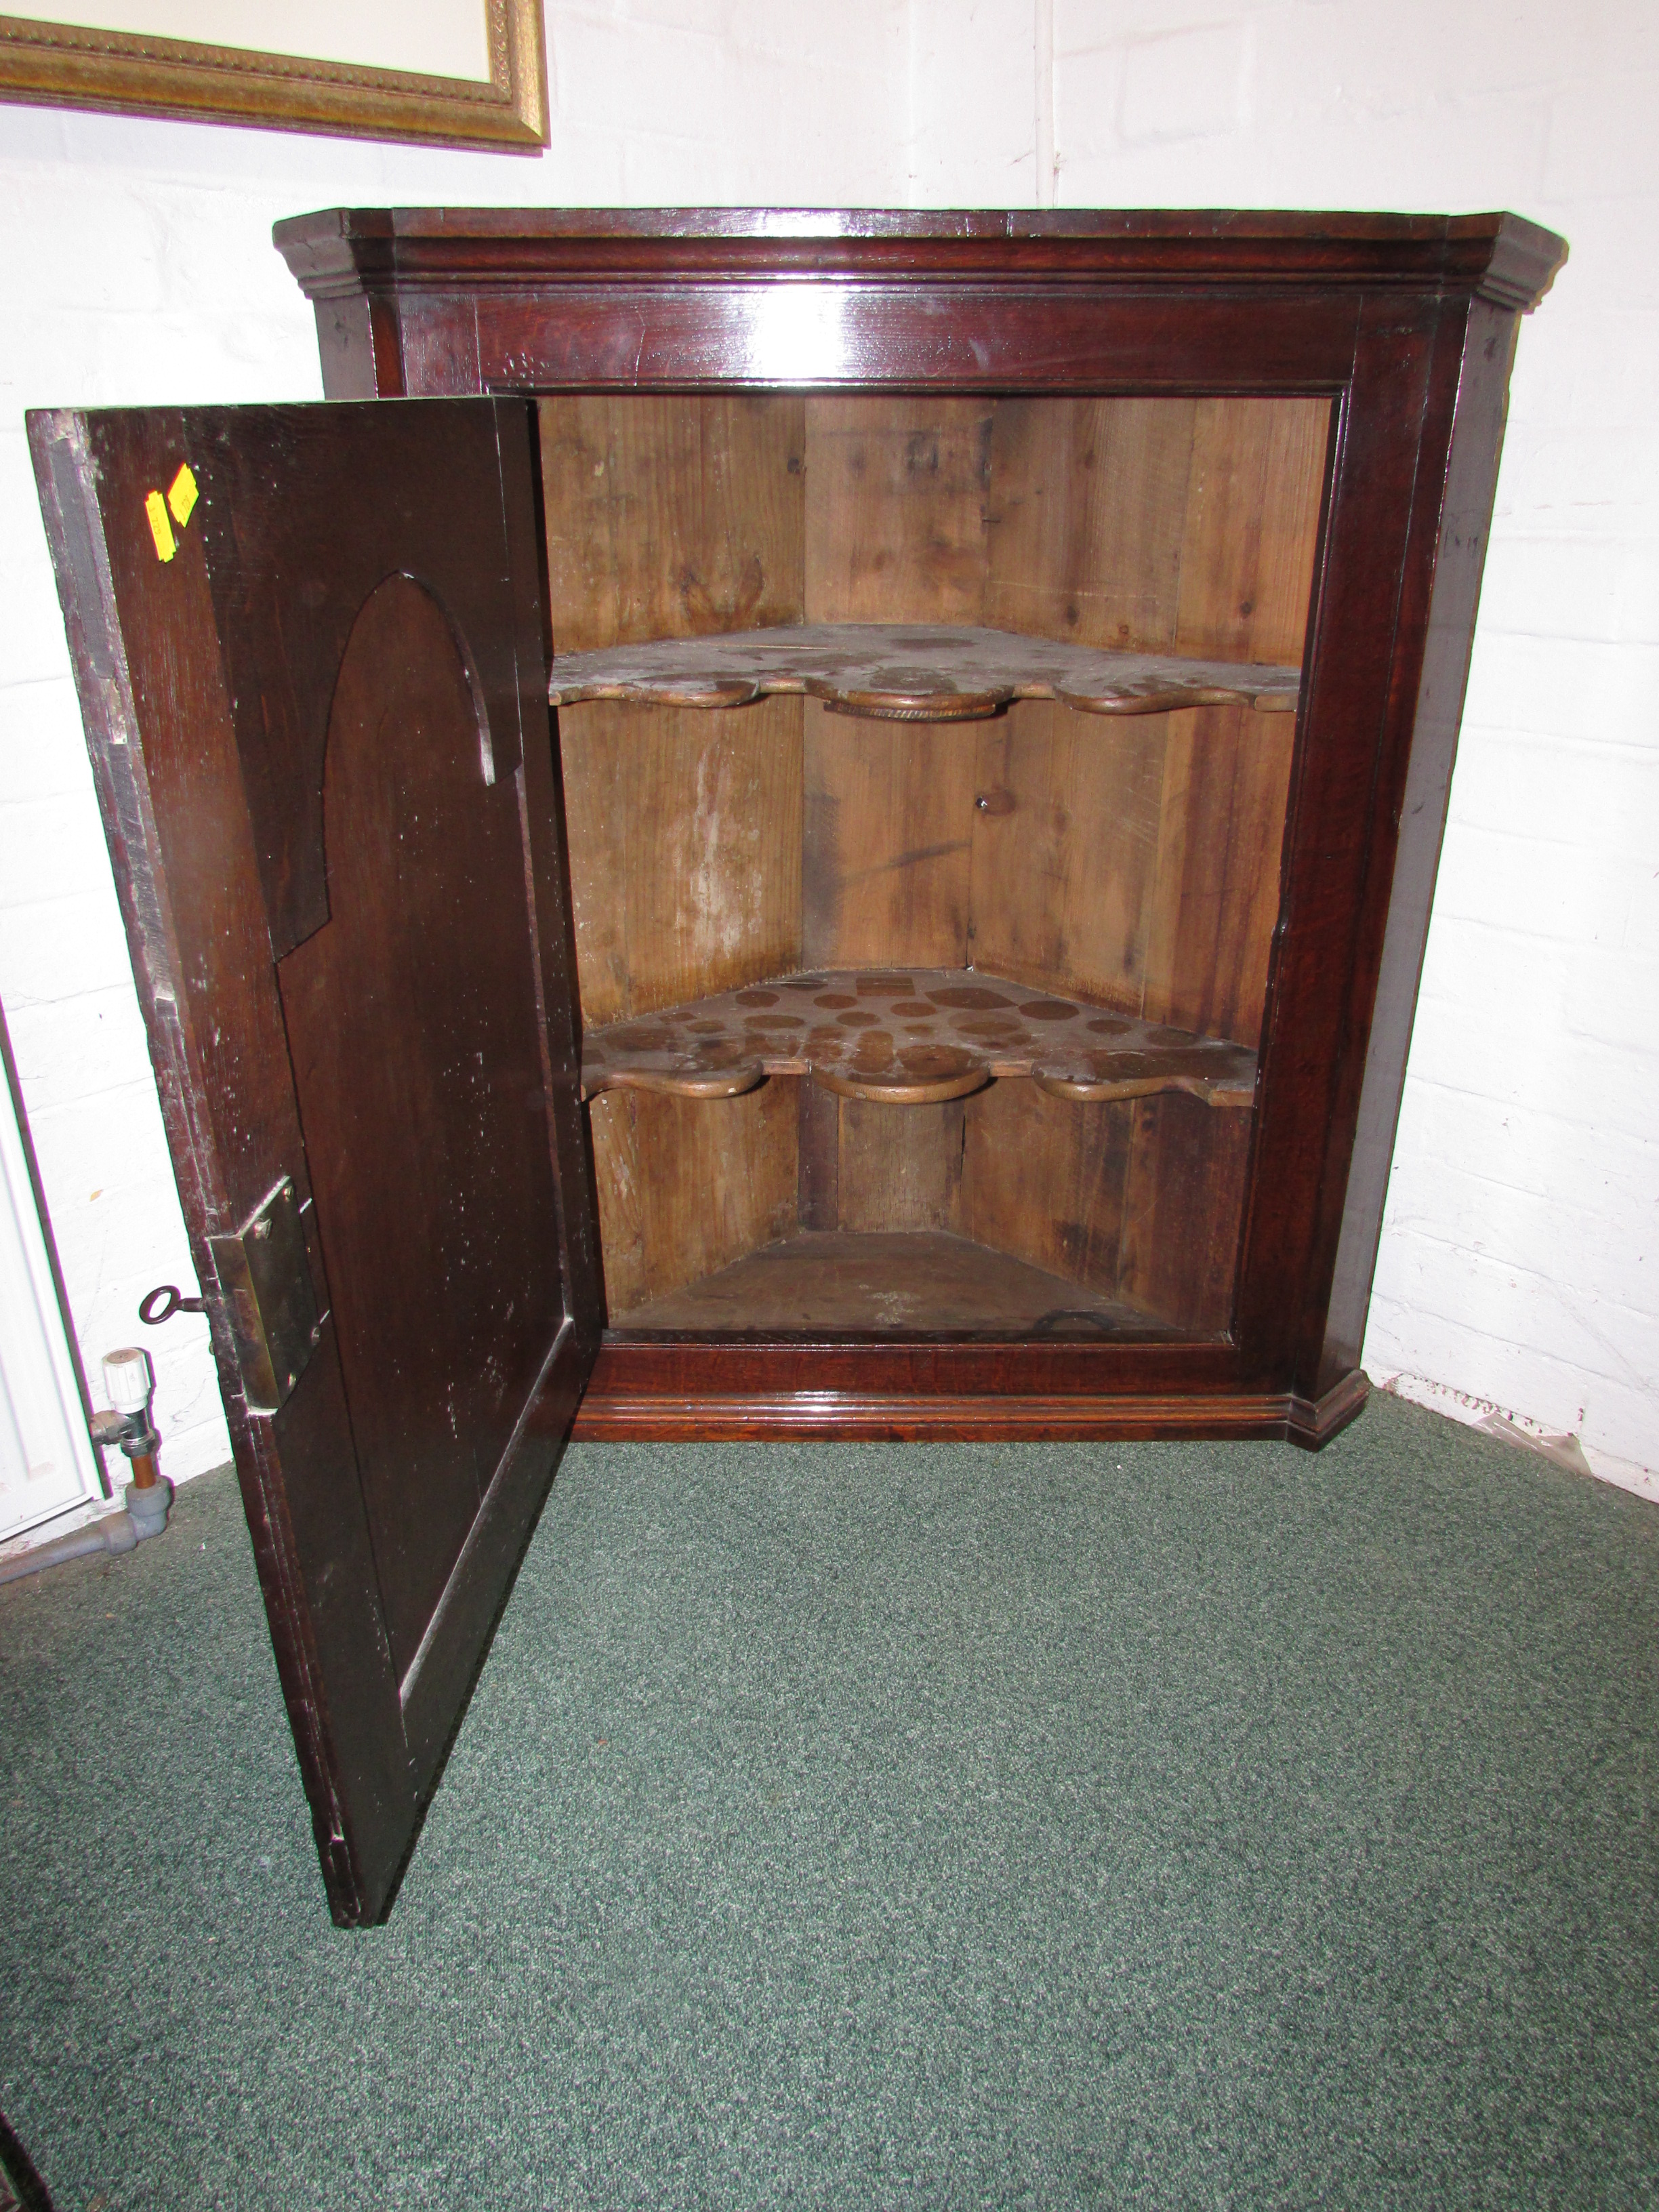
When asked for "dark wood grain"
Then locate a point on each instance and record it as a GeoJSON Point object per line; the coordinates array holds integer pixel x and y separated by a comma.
{"type": "Point", "coordinates": [634, 1416]}
{"type": "Point", "coordinates": [882, 336]}
{"type": "Point", "coordinates": [374, 1668]}
{"type": "Point", "coordinates": [414, 1039]}
{"type": "Point", "coordinates": [144, 644]}
{"type": "Point", "coordinates": [1456, 509]}
{"type": "Point", "coordinates": [1343, 730]}
{"type": "Point", "coordinates": [348, 250]}
{"type": "Point", "coordinates": [284, 626]}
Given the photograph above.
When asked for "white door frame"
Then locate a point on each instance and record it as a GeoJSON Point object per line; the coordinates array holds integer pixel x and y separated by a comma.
{"type": "Point", "coordinates": [48, 1466]}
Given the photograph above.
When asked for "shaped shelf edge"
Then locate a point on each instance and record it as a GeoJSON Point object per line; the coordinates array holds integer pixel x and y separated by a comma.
{"type": "Point", "coordinates": [910, 1037]}
{"type": "Point", "coordinates": [912, 673]}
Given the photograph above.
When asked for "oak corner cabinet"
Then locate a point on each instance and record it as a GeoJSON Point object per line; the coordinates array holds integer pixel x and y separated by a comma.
{"type": "Point", "coordinates": [834, 839]}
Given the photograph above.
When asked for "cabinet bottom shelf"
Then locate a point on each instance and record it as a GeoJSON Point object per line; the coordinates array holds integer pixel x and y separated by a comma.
{"type": "Point", "coordinates": [899, 1282]}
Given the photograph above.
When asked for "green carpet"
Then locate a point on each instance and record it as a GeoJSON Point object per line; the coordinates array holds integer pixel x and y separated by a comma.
{"type": "Point", "coordinates": [1166, 1825]}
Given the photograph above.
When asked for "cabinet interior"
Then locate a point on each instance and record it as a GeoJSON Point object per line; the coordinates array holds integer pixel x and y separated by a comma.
{"type": "Point", "coordinates": [821, 864]}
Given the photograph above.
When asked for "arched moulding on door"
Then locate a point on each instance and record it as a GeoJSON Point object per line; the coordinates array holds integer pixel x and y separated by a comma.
{"type": "Point", "coordinates": [912, 673]}
{"type": "Point", "coordinates": [910, 1037]}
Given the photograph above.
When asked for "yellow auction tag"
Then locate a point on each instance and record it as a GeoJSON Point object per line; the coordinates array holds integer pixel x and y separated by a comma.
{"type": "Point", "coordinates": [160, 528]}
{"type": "Point", "coordinates": [182, 494]}
{"type": "Point", "coordinates": [178, 507]}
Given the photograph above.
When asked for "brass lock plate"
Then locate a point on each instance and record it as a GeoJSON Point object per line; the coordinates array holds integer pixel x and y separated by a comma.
{"type": "Point", "coordinates": [265, 1274]}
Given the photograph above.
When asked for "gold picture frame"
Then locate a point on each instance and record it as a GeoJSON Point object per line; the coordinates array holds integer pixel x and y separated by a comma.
{"type": "Point", "coordinates": [63, 65]}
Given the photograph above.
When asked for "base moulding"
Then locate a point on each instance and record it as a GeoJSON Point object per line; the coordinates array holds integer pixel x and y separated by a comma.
{"type": "Point", "coordinates": [807, 1415]}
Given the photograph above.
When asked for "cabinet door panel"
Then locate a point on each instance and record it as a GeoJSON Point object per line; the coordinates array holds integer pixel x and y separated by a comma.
{"type": "Point", "coordinates": [315, 698]}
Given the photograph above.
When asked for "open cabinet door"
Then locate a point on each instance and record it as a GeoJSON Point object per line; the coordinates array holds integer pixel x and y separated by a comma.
{"type": "Point", "coordinates": [309, 649]}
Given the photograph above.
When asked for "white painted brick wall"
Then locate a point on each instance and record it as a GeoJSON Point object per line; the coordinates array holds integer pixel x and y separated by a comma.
{"type": "Point", "coordinates": [1518, 1261]}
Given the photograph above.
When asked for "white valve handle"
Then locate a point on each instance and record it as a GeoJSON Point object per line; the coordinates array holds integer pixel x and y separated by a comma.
{"type": "Point", "coordinates": [128, 1380]}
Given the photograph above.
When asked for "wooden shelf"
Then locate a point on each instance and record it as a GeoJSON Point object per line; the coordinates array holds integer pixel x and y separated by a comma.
{"type": "Point", "coordinates": [909, 1037]}
{"type": "Point", "coordinates": [898, 1282]}
{"type": "Point", "coordinates": [912, 672]}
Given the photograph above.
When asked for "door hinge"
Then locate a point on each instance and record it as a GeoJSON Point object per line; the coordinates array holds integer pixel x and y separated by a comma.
{"type": "Point", "coordinates": [265, 1274]}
